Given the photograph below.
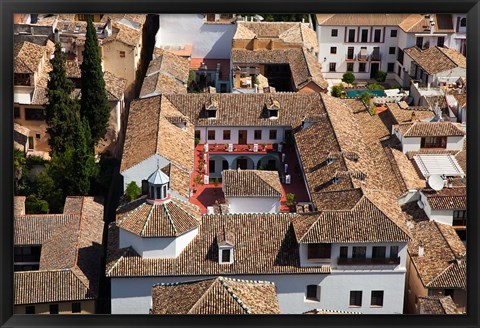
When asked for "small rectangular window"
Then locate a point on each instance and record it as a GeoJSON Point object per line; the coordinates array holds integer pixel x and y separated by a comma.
{"type": "Point", "coordinates": [333, 50]}
{"type": "Point", "coordinates": [122, 54]}
{"type": "Point", "coordinates": [393, 33]}
{"type": "Point", "coordinates": [364, 36]}
{"type": "Point", "coordinates": [211, 166]}
{"type": "Point", "coordinates": [355, 298]}
{"type": "Point", "coordinates": [377, 298]}
{"type": "Point", "coordinates": [359, 252]}
{"type": "Point", "coordinates": [319, 251]}
{"type": "Point", "coordinates": [53, 308]}
{"type": "Point", "coordinates": [257, 134]}
{"type": "Point", "coordinates": [390, 67]}
{"type": "Point", "coordinates": [441, 41]}
{"type": "Point", "coordinates": [349, 67]}
{"type": "Point", "coordinates": [226, 134]}
{"type": "Point", "coordinates": [31, 145]}
{"type": "Point", "coordinates": [273, 134]}
{"type": "Point", "coordinates": [351, 35]}
{"type": "Point", "coordinates": [362, 67]}
{"type": "Point", "coordinates": [226, 255]}
{"type": "Point", "coordinates": [312, 293]}
{"type": "Point", "coordinates": [333, 67]}
{"type": "Point", "coordinates": [37, 135]}
{"type": "Point", "coordinates": [393, 252]}
{"type": "Point", "coordinates": [76, 307]}
{"type": "Point", "coordinates": [391, 50]}
{"type": "Point", "coordinates": [419, 42]}
{"type": "Point", "coordinates": [377, 35]}
{"type": "Point", "coordinates": [16, 112]}
{"type": "Point", "coordinates": [30, 309]}
{"type": "Point", "coordinates": [224, 165]}
{"type": "Point", "coordinates": [197, 134]}
{"type": "Point", "coordinates": [159, 193]}
{"type": "Point", "coordinates": [211, 134]}
{"type": "Point", "coordinates": [343, 252]}
{"type": "Point", "coordinates": [378, 252]}
{"type": "Point", "coordinates": [334, 32]}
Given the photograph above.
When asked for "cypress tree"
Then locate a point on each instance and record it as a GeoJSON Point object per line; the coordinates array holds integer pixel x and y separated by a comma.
{"type": "Point", "coordinates": [94, 101]}
{"type": "Point", "coordinates": [61, 109]}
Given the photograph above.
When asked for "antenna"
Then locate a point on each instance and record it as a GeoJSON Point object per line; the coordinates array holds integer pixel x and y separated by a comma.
{"type": "Point", "coordinates": [435, 182]}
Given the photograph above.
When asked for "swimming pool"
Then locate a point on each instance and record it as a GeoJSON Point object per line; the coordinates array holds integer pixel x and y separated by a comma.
{"type": "Point", "coordinates": [354, 93]}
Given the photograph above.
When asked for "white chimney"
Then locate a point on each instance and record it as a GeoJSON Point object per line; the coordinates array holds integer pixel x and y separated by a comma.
{"type": "Point", "coordinates": [255, 87]}
{"type": "Point", "coordinates": [421, 251]}
{"type": "Point", "coordinates": [57, 36]}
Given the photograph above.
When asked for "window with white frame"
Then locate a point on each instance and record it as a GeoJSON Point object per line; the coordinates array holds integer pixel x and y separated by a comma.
{"type": "Point", "coordinates": [312, 293]}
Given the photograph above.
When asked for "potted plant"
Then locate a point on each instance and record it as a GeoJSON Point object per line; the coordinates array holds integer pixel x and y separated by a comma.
{"type": "Point", "coordinates": [196, 181]}
{"type": "Point", "coordinates": [264, 146]}
{"type": "Point", "coordinates": [290, 201]}
{"type": "Point", "coordinates": [226, 146]}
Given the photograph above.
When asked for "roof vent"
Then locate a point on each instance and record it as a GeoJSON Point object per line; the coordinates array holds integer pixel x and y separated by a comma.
{"type": "Point", "coordinates": [421, 250]}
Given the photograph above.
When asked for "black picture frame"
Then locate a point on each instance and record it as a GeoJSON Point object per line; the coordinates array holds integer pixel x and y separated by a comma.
{"type": "Point", "coordinates": [9, 7]}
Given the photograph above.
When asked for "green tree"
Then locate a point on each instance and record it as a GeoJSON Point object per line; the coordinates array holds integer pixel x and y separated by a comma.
{"type": "Point", "coordinates": [35, 205]}
{"type": "Point", "coordinates": [94, 101]}
{"type": "Point", "coordinates": [337, 90]}
{"type": "Point", "coordinates": [19, 162]}
{"type": "Point", "coordinates": [381, 76]}
{"type": "Point", "coordinates": [290, 199]}
{"type": "Point", "coordinates": [133, 190]}
{"type": "Point", "coordinates": [348, 77]}
{"type": "Point", "coordinates": [375, 86]}
{"type": "Point", "coordinates": [61, 109]}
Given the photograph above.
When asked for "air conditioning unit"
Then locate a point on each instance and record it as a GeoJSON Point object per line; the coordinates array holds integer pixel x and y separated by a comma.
{"type": "Point", "coordinates": [230, 147]}
{"type": "Point", "coordinates": [286, 168]}
{"type": "Point", "coordinates": [206, 179]}
{"type": "Point", "coordinates": [283, 157]}
{"type": "Point", "coordinates": [255, 148]}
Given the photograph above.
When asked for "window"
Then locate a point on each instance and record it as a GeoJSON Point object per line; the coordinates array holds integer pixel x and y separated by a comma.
{"type": "Point", "coordinates": [334, 32]}
{"type": "Point", "coordinates": [459, 218]}
{"type": "Point", "coordinates": [122, 54]}
{"type": "Point", "coordinates": [77, 29]}
{"type": "Point", "coordinates": [391, 50]}
{"type": "Point", "coordinates": [211, 134]}
{"type": "Point", "coordinates": [313, 293]}
{"type": "Point", "coordinates": [333, 50]}
{"type": "Point", "coordinates": [419, 42]}
{"type": "Point", "coordinates": [390, 67]}
{"type": "Point", "coordinates": [349, 67]}
{"type": "Point", "coordinates": [37, 135]}
{"type": "Point", "coordinates": [351, 35]}
{"type": "Point", "coordinates": [364, 36]}
{"type": "Point", "coordinates": [400, 56]}
{"type": "Point", "coordinates": [76, 307]}
{"type": "Point", "coordinates": [376, 35]}
{"type": "Point", "coordinates": [434, 142]}
{"type": "Point", "coordinates": [378, 252]}
{"type": "Point", "coordinates": [393, 252]}
{"type": "Point", "coordinates": [225, 255]}
{"type": "Point", "coordinates": [197, 134]}
{"type": "Point", "coordinates": [16, 112]}
{"type": "Point", "coordinates": [159, 193]}
{"type": "Point", "coordinates": [319, 251]}
{"type": "Point", "coordinates": [356, 298]}
{"type": "Point", "coordinates": [224, 165]}
{"type": "Point", "coordinates": [30, 309]}
{"type": "Point", "coordinates": [226, 134]}
{"type": "Point", "coordinates": [440, 41]}
{"type": "Point", "coordinates": [273, 113]}
{"type": "Point", "coordinates": [211, 166]}
{"type": "Point", "coordinates": [31, 145]}
{"type": "Point", "coordinates": [393, 33]}
{"type": "Point", "coordinates": [359, 252]}
{"type": "Point", "coordinates": [152, 192]}
{"type": "Point", "coordinates": [399, 71]}
{"type": "Point", "coordinates": [350, 51]}
{"type": "Point", "coordinates": [257, 134]}
{"type": "Point", "coordinates": [211, 113]}
{"type": "Point", "coordinates": [463, 22]}
{"type": "Point", "coordinates": [53, 308]}
{"type": "Point", "coordinates": [377, 298]}
{"type": "Point", "coordinates": [34, 114]}
{"type": "Point", "coordinates": [362, 67]}
{"type": "Point", "coordinates": [273, 134]}
{"type": "Point", "coordinates": [449, 292]}
{"type": "Point", "coordinates": [343, 252]}
{"type": "Point", "coordinates": [333, 67]}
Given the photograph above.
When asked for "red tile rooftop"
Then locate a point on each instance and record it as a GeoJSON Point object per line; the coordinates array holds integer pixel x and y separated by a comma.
{"type": "Point", "coordinates": [207, 195]}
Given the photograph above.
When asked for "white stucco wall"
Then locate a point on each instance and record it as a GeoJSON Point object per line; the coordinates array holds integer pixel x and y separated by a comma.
{"type": "Point", "coordinates": [234, 134]}
{"type": "Point", "coordinates": [254, 204]}
{"type": "Point", "coordinates": [455, 143]}
{"type": "Point", "coordinates": [133, 295]}
{"type": "Point", "coordinates": [410, 144]}
{"type": "Point", "coordinates": [208, 40]}
{"type": "Point", "coordinates": [442, 216]}
{"type": "Point", "coordinates": [156, 247]}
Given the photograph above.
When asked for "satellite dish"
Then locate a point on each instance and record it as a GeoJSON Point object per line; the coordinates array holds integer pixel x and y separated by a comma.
{"type": "Point", "coordinates": [435, 182]}
{"type": "Point", "coordinates": [259, 18]}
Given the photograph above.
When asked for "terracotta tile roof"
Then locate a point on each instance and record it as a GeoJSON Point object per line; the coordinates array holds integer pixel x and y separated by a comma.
{"type": "Point", "coordinates": [454, 198]}
{"type": "Point", "coordinates": [429, 129]}
{"type": "Point", "coordinates": [73, 69]}
{"type": "Point", "coordinates": [179, 179]}
{"type": "Point", "coordinates": [35, 229]}
{"type": "Point", "coordinates": [137, 18]}
{"type": "Point", "coordinates": [149, 125]}
{"type": "Point", "coordinates": [264, 243]}
{"type": "Point", "coordinates": [27, 57]}
{"type": "Point", "coordinates": [401, 115]}
{"type": "Point", "coordinates": [337, 200]}
{"type": "Point", "coordinates": [374, 218]}
{"type": "Point", "coordinates": [114, 85]}
{"type": "Point", "coordinates": [303, 65]}
{"type": "Point", "coordinates": [293, 33]}
{"type": "Point", "coordinates": [157, 220]}
{"type": "Point", "coordinates": [170, 64]}
{"type": "Point", "coordinates": [407, 171]}
{"type": "Point", "coordinates": [158, 83]}
{"type": "Point", "coordinates": [426, 151]}
{"type": "Point", "coordinates": [251, 183]}
{"type": "Point", "coordinates": [443, 263]}
{"type": "Point", "coordinates": [436, 59]}
{"type": "Point", "coordinates": [19, 205]}
{"type": "Point", "coordinates": [215, 296]}
{"type": "Point", "coordinates": [461, 158]}
{"type": "Point", "coordinates": [69, 261]}
{"type": "Point", "coordinates": [122, 33]}
{"type": "Point", "coordinates": [437, 305]}
{"type": "Point", "coordinates": [443, 24]}
{"type": "Point", "coordinates": [433, 101]}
